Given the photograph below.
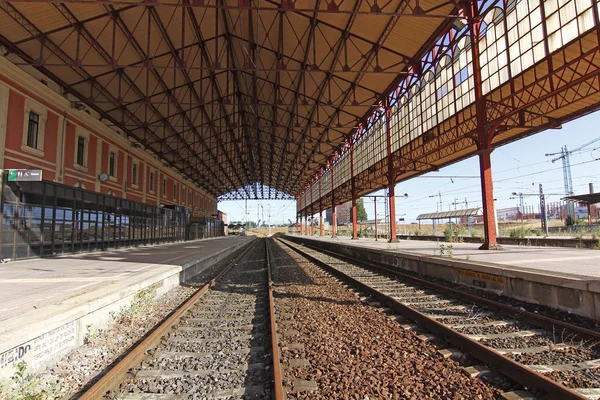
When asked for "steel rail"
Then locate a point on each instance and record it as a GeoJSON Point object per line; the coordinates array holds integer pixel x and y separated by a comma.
{"type": "Point", "coordinates": [513, 312]}
{"type": "Point", "coordinates": [113, 378]}
{"type": "Point", "coordinates": [275, 353]}
{"type": "Point", "coordinates": [514, 370]}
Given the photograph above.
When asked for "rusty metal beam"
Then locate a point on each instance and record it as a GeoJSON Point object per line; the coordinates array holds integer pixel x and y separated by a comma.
{"type": "Point", "coordinates": [341, 41]}
{"type": "Point", "coordinates": [144, 55]}
{"type": "Point", "coordinates": [234, 71]}
{"type": "Point", "coordinates": [188, 81]}
{"type": "Point", "coordinates": [25, 24]}
{"type": "Point", "coordinates": [383, 11]}
{"type": "Point", "coordinates": [202, 45]}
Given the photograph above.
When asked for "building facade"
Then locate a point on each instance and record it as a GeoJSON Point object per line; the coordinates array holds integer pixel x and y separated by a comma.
{"type": "Point", "coordinates": [343, 214]}
{"type": "Point", "coordinates": [42, 129]}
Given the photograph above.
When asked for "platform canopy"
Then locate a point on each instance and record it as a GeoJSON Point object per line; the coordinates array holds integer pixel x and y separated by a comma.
{"type": "Point", "coordinates": [229, 92]}
{"type": "Point", "coordinates": [589, 198]}
{"type": "Point", "coordinates": [467, 212]}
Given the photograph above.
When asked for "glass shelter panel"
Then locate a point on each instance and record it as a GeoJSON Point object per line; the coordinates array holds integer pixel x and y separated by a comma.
{"type": "Point", "coordinates": [47, 218]}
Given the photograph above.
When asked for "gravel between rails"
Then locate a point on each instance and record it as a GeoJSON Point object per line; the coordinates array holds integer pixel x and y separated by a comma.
{"type": "Point", "coordinates": [508, 334]}
{"type": "Point", "coordinates": [355, 350]}
{"type": "Point", "coordinates": [577, 379]}
{"type": "Point", "coordinates": [569, 355]}
{"type": "Point", "coordinates": [204, 358]}
{"type": "Point", "coordinates": [82, 366]}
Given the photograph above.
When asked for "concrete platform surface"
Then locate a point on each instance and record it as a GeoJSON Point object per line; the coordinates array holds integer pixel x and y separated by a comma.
{"type": "Point", "coordinates": [562, 261]}
{"type": "Point", "coordinates": [564, 278]}
{"type": "Point", "coordinates": [60, 297]}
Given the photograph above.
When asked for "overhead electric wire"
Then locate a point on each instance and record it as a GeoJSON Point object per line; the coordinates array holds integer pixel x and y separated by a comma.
{"type": "Point", "coordinates": [461, 190]}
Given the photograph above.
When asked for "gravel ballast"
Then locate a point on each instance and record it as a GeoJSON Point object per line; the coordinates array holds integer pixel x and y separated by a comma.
{"type": "Point", "coordinates": [356, 351]}
{"type": "Point", "coordinates": [78, 368]}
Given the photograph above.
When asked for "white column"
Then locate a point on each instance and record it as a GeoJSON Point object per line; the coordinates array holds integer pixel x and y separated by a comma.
{"type": "Point", "coordinates": [60, 149]}
{"type": "Point", "coordinates": [144, 174]}
{"type": "Point", "coordinates": [98, 164]}
{"type": "Point", "coordinates": [4, 91]}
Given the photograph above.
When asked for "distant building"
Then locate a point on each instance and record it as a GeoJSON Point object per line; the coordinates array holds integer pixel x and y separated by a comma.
{"type": "Point", "coordinates": [343, 213]}
{"type": "Point", "coordinates": [221, 216]}
{"type": "Point", "coordinates": [581, 212]}
{"type": "Point", "coordinates": [508, 214]}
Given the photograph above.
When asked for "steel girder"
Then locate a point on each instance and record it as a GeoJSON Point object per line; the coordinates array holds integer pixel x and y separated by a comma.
{"type": "Point", "coordinates": [25, 24]}
{"type": "Point", "coordinates": [225, 97]}
{"type": "Point", "coordinates": [564, 85]}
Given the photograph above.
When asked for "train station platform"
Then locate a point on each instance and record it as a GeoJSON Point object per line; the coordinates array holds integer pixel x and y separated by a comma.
{"type": "Point", "coordinates": [48, 304]}
{"type": "Point", "coordinates": [563, 278]}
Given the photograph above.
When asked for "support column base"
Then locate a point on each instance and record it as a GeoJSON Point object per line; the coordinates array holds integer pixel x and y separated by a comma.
{"type": "Point", "coordinates": [393, 240]}
{"type": "Point", "coordinates": [491, 246]}
{"type": "Point", "coordinates": [354, 238]}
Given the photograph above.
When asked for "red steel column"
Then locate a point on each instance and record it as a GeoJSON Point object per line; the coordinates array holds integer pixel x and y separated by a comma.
{"type": "Point", "coordinates": [333, 222]}
{"type": "Point", "coordinates": [320, 211]}
{"type": "Point", "coordinates": [321, 223]}
{"type": "Point", "coordinates": [487, 194]}
{"type": "Point", "coordinates": [354, 233]}
{"type": "Point", "coordinates": [393, 237]}
{"type": "Point", "coordinates": [391, 176]}
{"type": "Point", "coordinates": [484, 136]}
{"type": "Point", "coordinates": [312, 213]}
{"type": "Point", "coordinates": [375, 205]}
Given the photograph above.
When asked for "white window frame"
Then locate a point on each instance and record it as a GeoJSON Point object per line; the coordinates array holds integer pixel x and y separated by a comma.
{"type": "Point", "coordinates": [175, 188]}
{"type": "Point", "coordinates": [137, 167]}
{"type": "Point", "coordinates": [151, 181]}
{"type": "Point", "coordinates": [80, 132]}
{"type": "Point", "coordinates": [42, 112]}
{"type": "Point", "coordinates": [113, 149]}
{"type": "Point", "coordinates": [164, 186]}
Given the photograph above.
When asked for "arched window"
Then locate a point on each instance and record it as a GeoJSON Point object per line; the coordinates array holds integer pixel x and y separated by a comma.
{"type": "Point", "coordinates": [492, 50]}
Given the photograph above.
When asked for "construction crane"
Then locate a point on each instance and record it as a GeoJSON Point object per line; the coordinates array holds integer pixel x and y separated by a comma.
{"type": "Point", "coordinates": [564, 155]}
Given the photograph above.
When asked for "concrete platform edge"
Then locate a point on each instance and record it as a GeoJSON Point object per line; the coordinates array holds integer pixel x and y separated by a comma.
{"type": "Point", "coordinates": [526, 241]}
{"type": "Point", "coordinates": [66, 325]}
{"type": "Point", "coordinates": [572, 293]}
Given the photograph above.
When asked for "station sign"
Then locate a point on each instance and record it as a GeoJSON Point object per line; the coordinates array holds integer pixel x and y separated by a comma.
{"type": "Point", "coordinates": [24, 175]}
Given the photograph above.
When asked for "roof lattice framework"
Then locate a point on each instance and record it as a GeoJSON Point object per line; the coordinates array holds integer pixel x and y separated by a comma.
{"type": "Point", "coordinates": [229, 92]}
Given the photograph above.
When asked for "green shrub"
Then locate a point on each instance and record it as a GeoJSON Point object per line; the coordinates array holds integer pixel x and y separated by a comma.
{"type": "Point", "coordinates": [448, 234]}
{"type": "Point", "coordinates": [26, 386]}
{"type": "Point", "coordinates": [460, 230]}
{"type": "Point", "coordinates": [521, 232]}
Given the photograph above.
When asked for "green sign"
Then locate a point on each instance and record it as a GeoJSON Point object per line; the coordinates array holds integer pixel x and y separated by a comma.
{"type": "Point", "coordinates": [27, 175]}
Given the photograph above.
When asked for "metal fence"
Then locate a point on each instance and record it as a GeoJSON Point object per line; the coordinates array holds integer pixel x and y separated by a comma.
{"type": "Point", "coordinates": [202, 228]}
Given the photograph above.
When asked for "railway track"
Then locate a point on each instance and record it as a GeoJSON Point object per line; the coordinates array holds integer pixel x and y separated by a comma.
{"type": "Point", "coordinates": [221, 343]}
{"type": "Point", "coordinates": [550, 358]}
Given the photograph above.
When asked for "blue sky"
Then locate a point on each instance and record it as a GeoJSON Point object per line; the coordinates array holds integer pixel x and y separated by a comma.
{"type": "Point", "coordinates": [517, 167]}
